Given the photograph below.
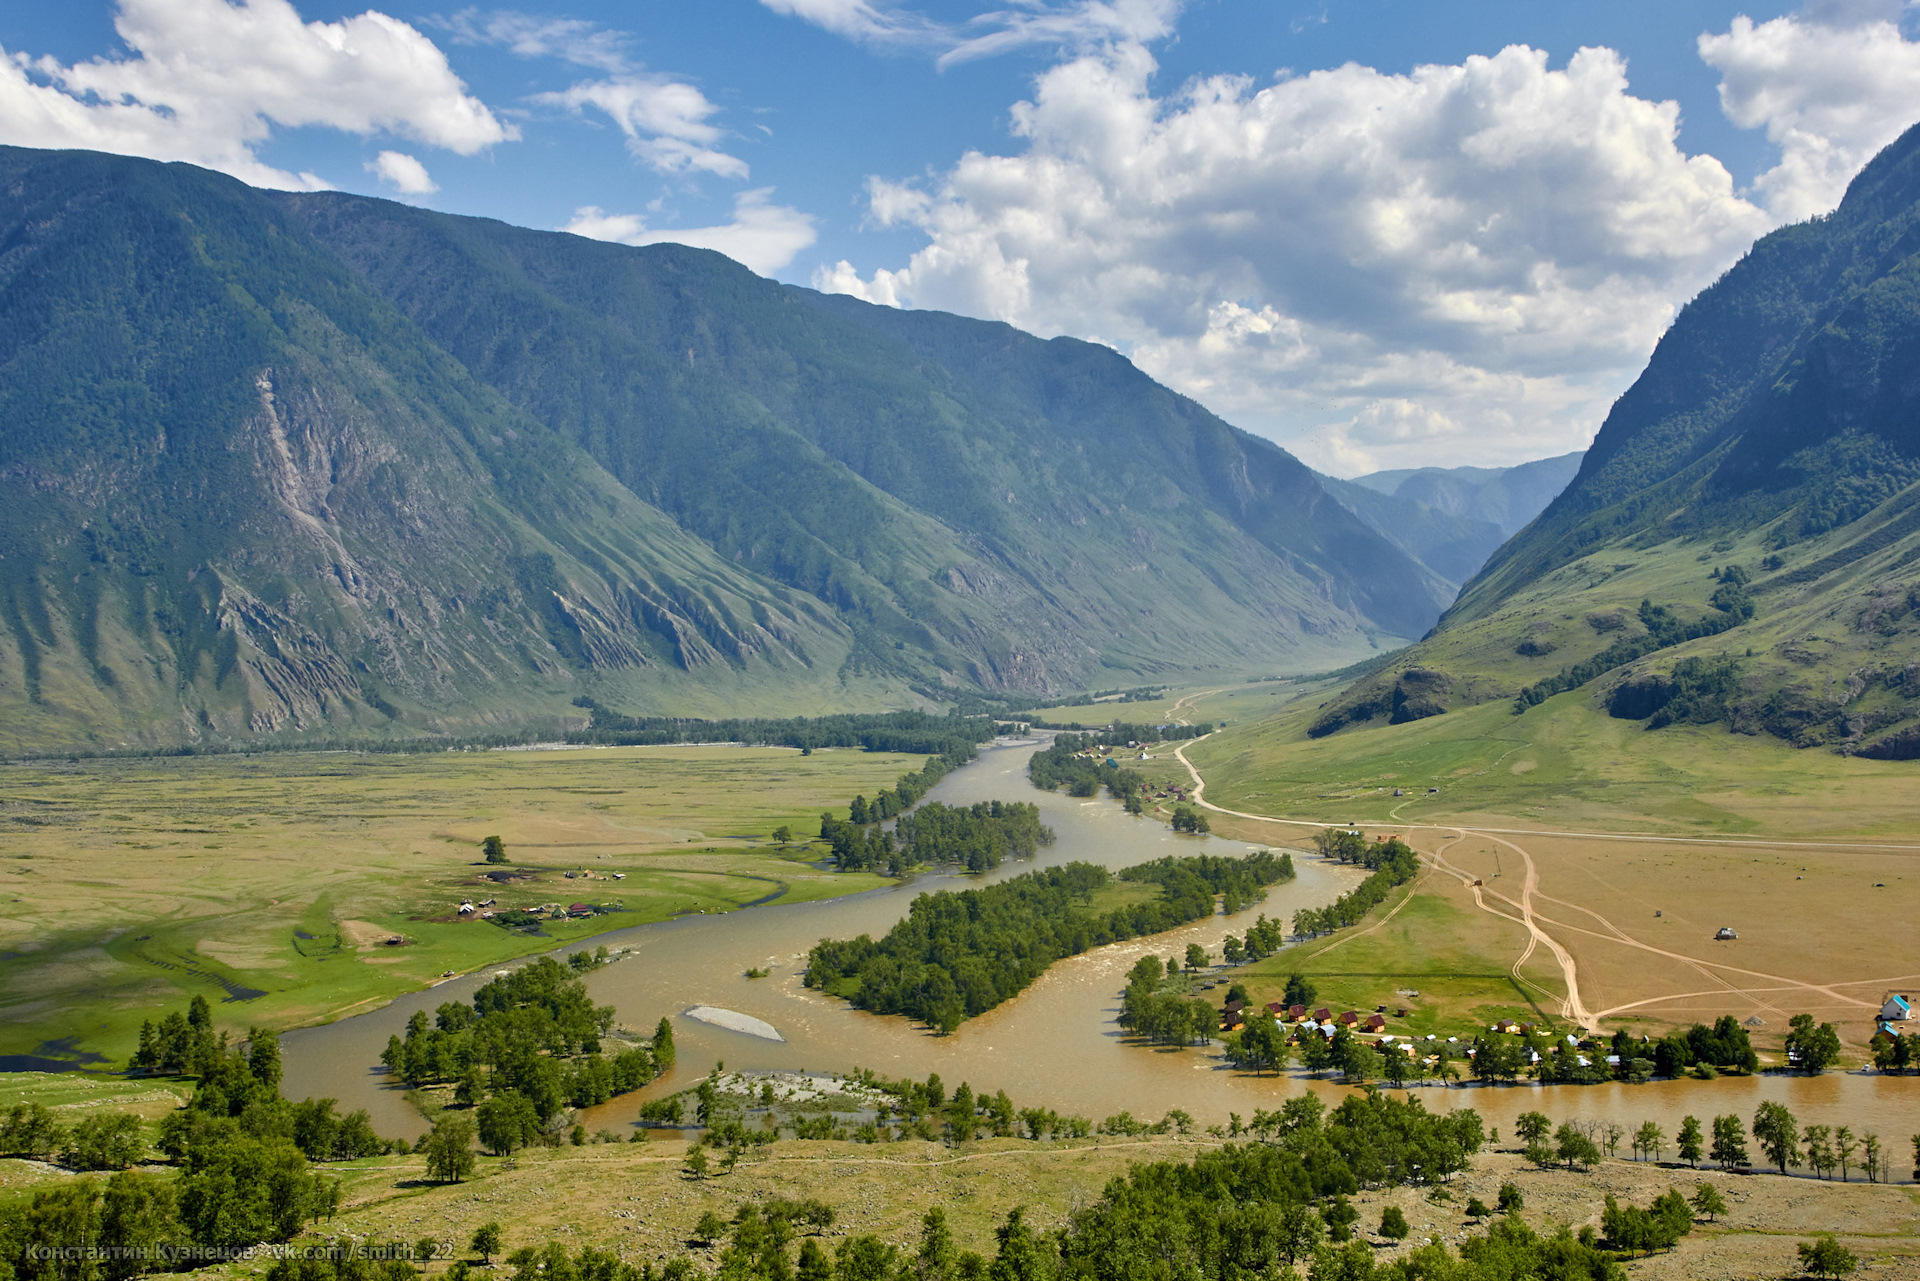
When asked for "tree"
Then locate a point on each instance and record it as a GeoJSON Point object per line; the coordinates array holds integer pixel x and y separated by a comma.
{"type": "Point", "coordinates": [1299, 990]}
{"type": "Point", "coordinates": [1826, 1257]}
{"type": "Point", "coordinates": [1573, 1145]}
{"type": "Point", "coordinates": [937, 1254]}
{"type": "Point", "coordinates": [1196, 957]}
{"type": "Point", "coordinates": [507, 1121]}
{"type": "Point", "coordinates": [662, 1045]}
{"type": "Point", "coordinates": [710, 1228]}
{"type": "Point", "coordinates": [1813, 1049]}
{"type": "Point", "coordinates": [1708, 1201]}
{"type": "Point", "coordinates": [1870, 1156]}
{"type": "Point", "coordinates": [1690, 1141]}
{"type": "Point", "coordinates": [783, 834]}
{"type": "Point", "coordinates": [1776, 1133]}
{"type": "Point", "coordinates": [450, 1149]}
{"type": "Point", "coordinates": [814, 1264]}
{"type": "Point", "coordinates": [1340, 1216]}
{"type": "Point", "coordinates": [1533, 1127]}
{"type": "Point", "coordinates": [263, 1058]}
{"type": "Point", "coordinates": [1647, 1141]}
{"type": "Point", "coordinates": [1511, 1198]}
{"type": "Point", "coordinates": [1393, 1223]}
{"type": "Point", "coordinates": [697, 1164]}
{"type": "Point", "coordinates": [104, 1141]}
{"type": "Point", "coordinates": [1844, 1146]}
{"type": "Point", "coordinates": [961, 1114]}
{"type": "Point", "coordinates": [1729, 1142]}
{"type": "Point", "coordinates": [487, 1240]}
{"type": "Point", "coordinates": [1819, 1146]}
{"type": "Point", "coordinates": [494, 849]}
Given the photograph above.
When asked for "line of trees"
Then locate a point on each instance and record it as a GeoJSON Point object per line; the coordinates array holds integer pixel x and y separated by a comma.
{"type": "Point", "coordinates": [1393, 862]}
{"type": "Point", "coordinates": [918, 733]}
{"type": "Point", "coordinates": [959, 954]}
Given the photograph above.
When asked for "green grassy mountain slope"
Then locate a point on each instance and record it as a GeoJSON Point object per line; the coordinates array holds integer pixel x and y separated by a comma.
{"type": "Point", "coordinates": [1758, 484]}
{"type": "Point", "coordinates": [240, 494]}
{"type": "Point", "coordinates": [290, 465]}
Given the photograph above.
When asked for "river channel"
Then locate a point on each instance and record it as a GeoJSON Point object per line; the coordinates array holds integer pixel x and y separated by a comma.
{"type": "Point", "coordinates": [1056, 1045]}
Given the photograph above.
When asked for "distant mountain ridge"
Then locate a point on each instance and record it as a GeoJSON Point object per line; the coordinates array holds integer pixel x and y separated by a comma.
{"type": "Point", "coordinates": [1451, 519]}
{"type": "Point", "coordinates": [1760, 483]}
{"type": "Point", "coordinates": [283, 464]}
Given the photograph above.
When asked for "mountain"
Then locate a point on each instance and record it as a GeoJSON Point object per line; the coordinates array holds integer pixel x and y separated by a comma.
{"type": "Point", "coordinates": [1758, 488]}
{"type": "Point", "coordinates": [1506, 497]}
{"type": "Point", "coordinates": [286, 464]}
{"type": "Point", "coordinates": [1452, 546]}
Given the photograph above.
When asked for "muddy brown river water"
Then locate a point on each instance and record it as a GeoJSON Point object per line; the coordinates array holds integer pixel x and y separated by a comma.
{"type": "Point", "coordinates": [1056, 1045]}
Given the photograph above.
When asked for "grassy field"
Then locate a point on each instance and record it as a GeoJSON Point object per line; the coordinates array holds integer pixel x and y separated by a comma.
{"type": "Point", "coordinates": [129, 885]}
{"type": "Point", "coordinates": [637, 1200]}
{"type": "Point", "coordinates": [1734, 830]}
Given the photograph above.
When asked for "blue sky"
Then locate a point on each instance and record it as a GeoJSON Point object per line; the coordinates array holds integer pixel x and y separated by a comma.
{"type": "Point", "coordinates": [1383, 233]}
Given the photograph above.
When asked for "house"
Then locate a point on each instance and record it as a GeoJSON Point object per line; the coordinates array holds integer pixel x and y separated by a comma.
{"type": "Point", "coordinates": [1276, 1009]}
{"type": "Point", "coordinates": [1349, 1017]}
{"type": "Point", "coordinates": [1322, 1014]}
{"type": "Point", "coordinates": [1376, 1022]}
{"type": "Point", "coordinates": [580, 909]}
{"type": "Point", "coordinates": [1897, 1010]}
{"type": "Point", "coordinates": [466, 909]}
{"type": "Point", "coordinates": [1296, 1013]}
{"type": "Point", "coordinates": [1725, 932]}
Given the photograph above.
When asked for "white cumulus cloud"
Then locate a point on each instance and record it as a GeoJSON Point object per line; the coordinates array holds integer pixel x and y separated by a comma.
{"type": "Point", "coordinates": [666, 121]}
{"type": "Point", "coordinates": [1076, 25]}
{"type": "Point", "coordinates": [763, 236]}
{"type": "Point", "coordinates": [403, 173]}
{"type": "Point", "coordinates": [1831, 88]}
{"type": "Point", "coordinates": [208, 81]}
{"type": "Point", "coordinates": [1462, 263]}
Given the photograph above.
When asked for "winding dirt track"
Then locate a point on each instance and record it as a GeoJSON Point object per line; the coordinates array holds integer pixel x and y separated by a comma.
{"type": "Point", "coordinates": [1523, 911]}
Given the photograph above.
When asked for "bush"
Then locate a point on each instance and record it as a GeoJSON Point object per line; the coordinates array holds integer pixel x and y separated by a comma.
{"type": "Point", "coordinates": [1510, 1198]}
{"type": "Point", "coordinates": [1393, 1223]}
{"type": "Point", "coordinates": [1477, 1209]}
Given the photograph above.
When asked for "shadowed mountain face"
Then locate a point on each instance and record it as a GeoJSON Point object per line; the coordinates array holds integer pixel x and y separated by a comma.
{"type": "Point", "coordinates": [277, 464]}
{"type": "Point", "coordinates": [1758, 481]}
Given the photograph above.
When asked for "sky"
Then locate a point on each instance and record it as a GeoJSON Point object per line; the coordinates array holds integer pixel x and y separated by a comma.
{"type": "Point", "coordinates": [1383, 233]}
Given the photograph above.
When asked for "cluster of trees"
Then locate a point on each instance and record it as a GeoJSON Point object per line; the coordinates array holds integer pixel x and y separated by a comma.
{"type": "Point", "coordinates": [1188, 819]}
{"type": "Point", "coordinates": [103, 1140]}
{"type": "Point", "coordinates": [1658, 1227]}
{"type": "Point", "coordinates": [525, 1048]}
{"type": "Point", "coordinates": [918, 733]}
{"type": "Point", "coordinates": [180, 1045]}
{"type": "Point", "coordinates": [1061, 765]}
{"type": "Point", "coordinates": [857, 844]}
{"type": "Point", "coordinates": [1392, 861]}
{"type": "Point", "coordinates": [245, 1159]}
{"type": "Point", "coordinates": [976, 837]}
{"type": "Point", "coordinates": [1263, 938]}
{"type": "Point", "coordinates": [1810, 1048]}
{"type": "Point", "coordinates": [1148, 1010]}
{"type": "Point", "coordinates": [1896, 1053]}
{"type": "Point", "coordinates": [956, 955]}
{"type": "Point", "coordinates": [1664, 629]}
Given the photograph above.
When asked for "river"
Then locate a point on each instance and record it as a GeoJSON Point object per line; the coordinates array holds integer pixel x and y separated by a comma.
{"type": "Point", "coordinates": [1056, 1045]}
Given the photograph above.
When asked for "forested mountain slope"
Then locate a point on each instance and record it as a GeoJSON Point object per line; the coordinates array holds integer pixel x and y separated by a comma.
{"type": "Point", "coordinates": [1758, 483]}
{"type": "Point", "coordinates": [282, 465]}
